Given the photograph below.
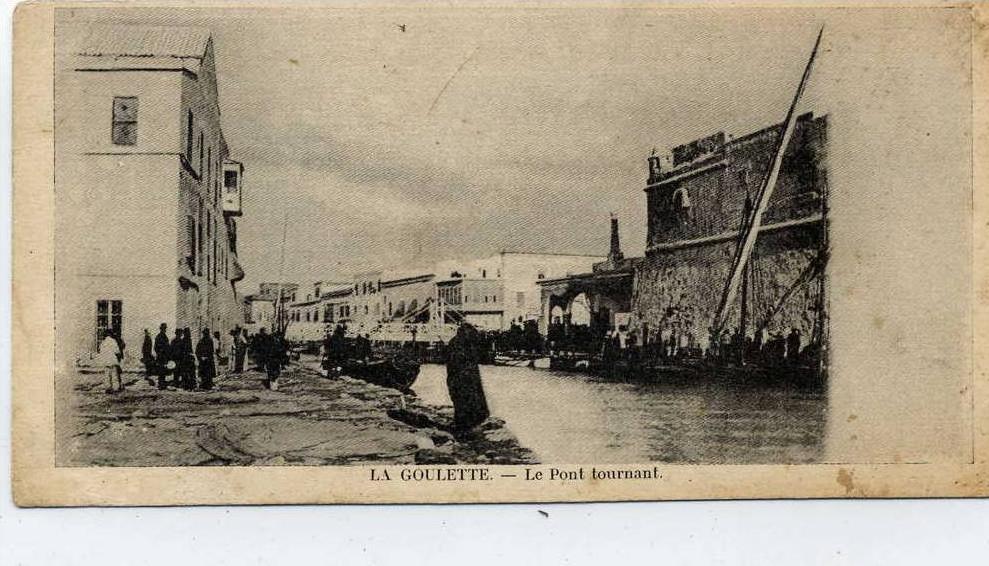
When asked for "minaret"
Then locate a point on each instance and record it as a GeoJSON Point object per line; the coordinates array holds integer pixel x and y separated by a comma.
{"type": "Point", "coordinates": [615, 253]}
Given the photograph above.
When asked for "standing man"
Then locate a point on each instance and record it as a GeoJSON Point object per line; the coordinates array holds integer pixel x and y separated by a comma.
{"type": "Point", "coordinates": [177, 348]}
{"type": "Point", "coordinates": [162, 354]}
{"type": "Point", "coordinates": [463, 380]}
{"type": "Point", "coordinates": [147, 357]}
{"type": "Point", "coordinates": [206, 355]}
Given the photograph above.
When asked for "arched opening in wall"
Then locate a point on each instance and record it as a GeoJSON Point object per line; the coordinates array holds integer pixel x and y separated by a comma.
{"type": "Point", "coordinates": [580, 311]}
{"type": "Point", "coordinates": [681, 204]}
{"type": "Point", "coordinates": [556, 315]}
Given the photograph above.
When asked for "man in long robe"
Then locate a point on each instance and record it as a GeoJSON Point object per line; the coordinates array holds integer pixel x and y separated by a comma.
{"type": "Point", "coordinates": [110, 356]}
{"type": "Point", "coordinates": [177, 348]}
{"type": "Point", "coordinates": [206, 355]}
{"type": "Point", "coordinates": [148, 357]}
{"type": "Point", "coordinates": [240, 348]}
{"type": "Point", "coordinates": [162, 354]}
{"type": "Point", "coordinates": [463, 380]}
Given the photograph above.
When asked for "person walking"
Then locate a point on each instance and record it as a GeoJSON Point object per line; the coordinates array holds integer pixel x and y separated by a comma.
{"type": "Point", "coordinates": [148, 357]}
{"type": "Point", "coordinates": [162, 354]}
{"type": "Point", "coordinates": [274, 358]}
{"type": "Point", "coordinates": [463, 380]}
{"type": "Point", "coordinates": [206, 356]}
{"type": "Point", "coordinates": [110, 356]}
{"type": "Point", "coordinates": [262, 346]}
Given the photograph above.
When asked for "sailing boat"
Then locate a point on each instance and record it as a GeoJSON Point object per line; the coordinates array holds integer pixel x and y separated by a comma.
{"type": "Point", "coordinates": [786, 359]}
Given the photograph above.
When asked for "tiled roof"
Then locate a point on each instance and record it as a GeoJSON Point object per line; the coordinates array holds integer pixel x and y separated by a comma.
{"type": "Point", "coordinates": [145, 41]}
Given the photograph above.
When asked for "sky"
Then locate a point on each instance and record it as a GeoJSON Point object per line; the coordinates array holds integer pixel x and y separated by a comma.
{"type": "Point", "coordinates": [472, 131]}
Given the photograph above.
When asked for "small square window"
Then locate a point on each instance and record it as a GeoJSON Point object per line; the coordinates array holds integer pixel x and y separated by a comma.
{"type": "Point", "coordinates": [124, 120]}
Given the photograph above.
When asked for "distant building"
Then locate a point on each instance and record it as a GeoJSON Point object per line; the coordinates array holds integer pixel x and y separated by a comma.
{"type": "Point", "coordinates": [147, 196]}
{"type": "Point", "coordinates": [519, 274]}
{"type": "Point", "coordinates": [600, 298]}
{"type": "Point", "coordinates": [261, 306]}
{"type": "Point", "coordinates": [475, 301]}
{"type": "Point", "coordinates": [490, 293]}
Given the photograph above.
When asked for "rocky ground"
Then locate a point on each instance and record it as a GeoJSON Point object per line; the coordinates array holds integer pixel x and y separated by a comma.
{"type": "Point", "coordinates": [310, 420]}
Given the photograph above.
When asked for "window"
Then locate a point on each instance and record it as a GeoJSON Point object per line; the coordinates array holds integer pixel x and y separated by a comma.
{"type": "Point", "coordinates": [200, 170]}
{"type": "Point", "coordinates": [209, 169]}
{"type": "Point", "coordinates": [209, 238]}
{"type": "Point", "coordinates": [199, 241]}
{"type": "Point", "coordinates": [109, 316]}
{"type": "Point", "coordinates": [188, 138]}
{"type": "Point", "coordinates": [125, 120]}
{"type": "Point", "coordinates": [216, 255]}
{"type": "Point", "coordinates": [190, 256]}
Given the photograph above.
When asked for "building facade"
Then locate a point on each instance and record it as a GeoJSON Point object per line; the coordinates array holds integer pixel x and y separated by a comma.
{"type": "Point", "coordinates": [695, 213]}
{"type": "Point", "coordinates": [475, 301]}
{"type": "Point", "coordinates": [518, 274]}
{"type": "Point", "coordinates": [147, 195]}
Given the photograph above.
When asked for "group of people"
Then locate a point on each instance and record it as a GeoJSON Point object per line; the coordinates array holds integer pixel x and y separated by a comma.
{"type": "Point", "coordinates": [270, 355]}
{"type": "Point", "coordinates": [178, 357]}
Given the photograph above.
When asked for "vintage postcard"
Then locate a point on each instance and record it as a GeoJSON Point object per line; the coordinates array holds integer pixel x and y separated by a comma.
{"type": "Point", "coordinates": [462, 252]}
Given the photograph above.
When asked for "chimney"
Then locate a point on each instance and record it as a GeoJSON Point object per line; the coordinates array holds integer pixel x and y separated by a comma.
{"type": "Point", "coordinates": [615, 253]}
{"type": "Point", "coordinates": [654, 169]}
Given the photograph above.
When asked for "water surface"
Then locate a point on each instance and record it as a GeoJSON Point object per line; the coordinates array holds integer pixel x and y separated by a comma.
{"type": "Point", "coordinates": [569, 418]}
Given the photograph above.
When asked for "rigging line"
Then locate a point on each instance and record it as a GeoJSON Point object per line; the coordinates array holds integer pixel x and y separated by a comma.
{"type": "Point", "coordinates": [805, 276]}
{"type": "Point", "coordinates": [748, 236]}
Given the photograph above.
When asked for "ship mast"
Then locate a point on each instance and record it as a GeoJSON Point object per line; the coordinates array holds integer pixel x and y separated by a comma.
{"type": "Point", "coordinates": [753, 221]}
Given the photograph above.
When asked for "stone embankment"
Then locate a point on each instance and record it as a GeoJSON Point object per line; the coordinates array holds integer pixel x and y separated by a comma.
{"type": "Point", "coordinates": [310, 421]}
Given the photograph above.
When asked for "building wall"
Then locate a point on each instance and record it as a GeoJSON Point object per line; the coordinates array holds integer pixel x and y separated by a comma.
{"type": "Point", "coordinates": [122, 211]}
{"type": "Point", "coordinates": [678, 286]}
{"type": "Point", "coordinates": [401, 297]}
{"type": "Point", "coordinates": [717, 192]}
{"type": "Point", "coordinates": [479, 300]}
{"type": "Point", "coordinates": [678, 291]}
{"type": "Point", "coordinates": [115, 211]}
{"type": "Point", "coordinates": [213, 301]}
{"type": "Point", "coordinates": [520, 272]}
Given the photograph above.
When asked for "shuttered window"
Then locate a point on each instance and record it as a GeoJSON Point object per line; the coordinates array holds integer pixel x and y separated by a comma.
{"type": "Point", "coordinates": [125, 120]}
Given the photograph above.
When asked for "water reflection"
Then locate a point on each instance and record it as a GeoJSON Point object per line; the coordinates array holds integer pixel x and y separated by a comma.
{"type": "Point", "coordinates": [574, 418]}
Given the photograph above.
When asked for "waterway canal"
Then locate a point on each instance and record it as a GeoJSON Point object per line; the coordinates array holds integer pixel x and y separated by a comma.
{"type": "Point", "coordinates": [570, 418]}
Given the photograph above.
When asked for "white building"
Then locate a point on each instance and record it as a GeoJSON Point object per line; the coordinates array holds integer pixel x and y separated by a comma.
{"type": "Point", "coordinates": [147, 196]}
{"type": "Point", "coordinates": [519, 272]}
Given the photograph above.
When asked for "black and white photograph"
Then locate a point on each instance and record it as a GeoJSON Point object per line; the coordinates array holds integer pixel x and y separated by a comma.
{"type": "Point", "coordinates": [512, 246]}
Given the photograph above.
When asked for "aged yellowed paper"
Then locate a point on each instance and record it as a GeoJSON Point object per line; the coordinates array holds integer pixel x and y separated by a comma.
{"type": "Point", "coordinates": [488, 253]}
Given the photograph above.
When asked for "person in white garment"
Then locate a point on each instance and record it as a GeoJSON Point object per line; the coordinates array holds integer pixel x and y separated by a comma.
{"type": "Point", "coordinates": [110, 358]}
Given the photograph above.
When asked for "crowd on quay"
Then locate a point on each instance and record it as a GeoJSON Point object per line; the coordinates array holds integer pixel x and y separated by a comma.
{"type": "Point", "coordinates": [174, 362]}
{"type": "Point", "coordinates": [770, 349]}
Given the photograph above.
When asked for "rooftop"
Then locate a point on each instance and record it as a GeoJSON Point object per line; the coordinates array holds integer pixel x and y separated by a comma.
{"type": "Point", "coordinates": [145, 41]}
